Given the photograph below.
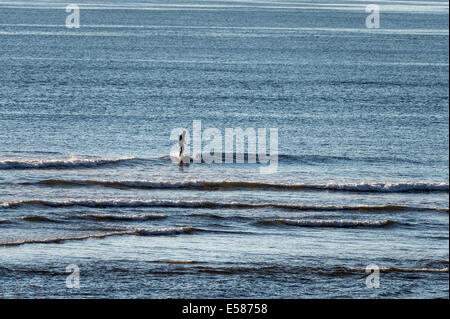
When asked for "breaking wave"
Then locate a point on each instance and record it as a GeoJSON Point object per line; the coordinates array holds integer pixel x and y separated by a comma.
{"type": "Point", "coordinates": [249, 158]}
{"type": "Point", "coordinates": [136, 231]}
{"type": "Point", "coordinates": [323, 271]}
{"type": "Point", "coordinates": [61, 163]}
{"type": "Point", "coordinates": [123, 217]}
{"type": "Point", "coordinates": [414, 270]}
{"type": "Point", "coordinates": [179, 262]}
{"type": "Point", "coordinates": [388, 187]}
{"type": "Point", "coordinates": [207, 204]}
{"type": "Point", "coordinates": [337, 223]}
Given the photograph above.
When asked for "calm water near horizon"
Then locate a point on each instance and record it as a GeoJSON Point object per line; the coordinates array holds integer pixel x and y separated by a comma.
{"type": "Point", "coordinates": [86, 178]}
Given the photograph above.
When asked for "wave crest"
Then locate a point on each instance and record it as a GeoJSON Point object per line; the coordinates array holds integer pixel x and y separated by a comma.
{"type": "Point", "coordinates": [123, 217]}
{"type": "Point", "coordinates": [61, 163]}
{"type": "Point", "coordinates": [337, 223]}
{"type": "Point", "coordinates": [388, 187]}
{"type": "Point", "coordinates": [136, 231]}
{"type": "Point", "coordinates": [207, 204]}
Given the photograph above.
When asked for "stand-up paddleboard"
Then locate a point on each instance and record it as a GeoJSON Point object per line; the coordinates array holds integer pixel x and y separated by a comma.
{"type": "Point", "coordinates": [181, 160]}
{"type": "Point", "coordinates": [184, 160]}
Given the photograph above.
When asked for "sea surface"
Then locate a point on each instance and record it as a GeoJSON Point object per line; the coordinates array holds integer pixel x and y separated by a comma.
{"type": "Point", "coordinates": [87, 183]}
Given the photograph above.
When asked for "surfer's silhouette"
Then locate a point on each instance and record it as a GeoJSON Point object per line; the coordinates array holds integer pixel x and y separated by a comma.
{"type": "Point", "coordinates": [181, 143]}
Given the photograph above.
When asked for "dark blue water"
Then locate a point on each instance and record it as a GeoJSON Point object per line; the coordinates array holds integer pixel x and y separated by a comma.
{"type": "Point", "coordinates": [86, 178]}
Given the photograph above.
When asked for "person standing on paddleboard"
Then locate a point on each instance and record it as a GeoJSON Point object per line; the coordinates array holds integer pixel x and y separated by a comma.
{"type": "Point", "coordinates": [181, 143]}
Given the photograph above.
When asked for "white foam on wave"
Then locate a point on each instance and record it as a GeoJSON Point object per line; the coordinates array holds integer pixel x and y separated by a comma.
{"type": "Point", "coordinates": [414, 270]}
{"type": "Point", "coordinates": [218, 30]}
{"type": "Point", "coordinates": [390, 187]}
{"type": "Point", "coordinates": [385, 6]}
{"type": "Point", "coordinates": [134, 231]}
{"type": "Point", "coordinates": [387, 187]}
{"type": "Point", "coordinates": [72, 162]}
{"type": "Point", "coordinates": [151, 184]}
{"type": "Point", "coordinates": [164, 231]}
{"type": "Point", "coordinates": [207, 204]}
{"type": "Point", "coordinates": [235, 33]}
{"type": "Point", "coordinates": [125, 217]}
{"type": "Point", "coordinates": [335, 222]}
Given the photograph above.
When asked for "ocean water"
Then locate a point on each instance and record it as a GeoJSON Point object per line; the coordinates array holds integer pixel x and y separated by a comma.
{"type": "Point", "coordinates": [86, 178]}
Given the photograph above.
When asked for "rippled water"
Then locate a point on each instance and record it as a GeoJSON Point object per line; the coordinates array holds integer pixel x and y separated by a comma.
{"type": "Point", "coordinates": [86, 177]}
